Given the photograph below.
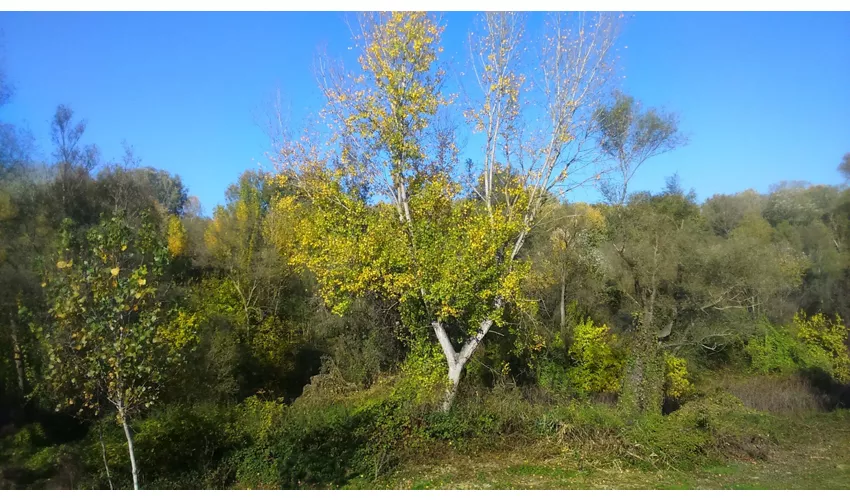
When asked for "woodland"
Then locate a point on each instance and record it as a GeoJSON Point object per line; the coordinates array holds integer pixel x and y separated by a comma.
{"type": "Point", "coordinates": [410, 296]}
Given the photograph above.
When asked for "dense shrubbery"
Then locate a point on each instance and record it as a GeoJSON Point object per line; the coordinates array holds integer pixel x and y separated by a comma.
{"type": "Point", "coordinates": [809, 343]}
{"type": "Point", "coordinates": [592, 363]}
{"type": "Point", "coordinates": [702, 430]}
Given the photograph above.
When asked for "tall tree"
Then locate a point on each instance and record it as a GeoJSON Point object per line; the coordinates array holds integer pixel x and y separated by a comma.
{"type": "Point", "coordinates": [648, 237]}
{"type": "Point", "coordinates": [74, 161]}
{"type": "Point", "coordinates": [135, 190]}
{"type": "Point", "coordinates": [629, 136]}
{"type": "Point", "coordinates": [724, 212]}
{"type": "Point", "coordinates": [24, 238]}
{"type": "Point", "coordinates": [235, 240]}
{"type": "Point", "coordinates": [569, 260]}
{"type": "Point", "coordinates": [451, 260]}
{"type": "Point", "coordinates": [255, 291]}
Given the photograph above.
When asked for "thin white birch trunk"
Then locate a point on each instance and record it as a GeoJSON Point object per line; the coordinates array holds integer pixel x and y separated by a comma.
{"type": "Point", "coordinates": [129, 434]}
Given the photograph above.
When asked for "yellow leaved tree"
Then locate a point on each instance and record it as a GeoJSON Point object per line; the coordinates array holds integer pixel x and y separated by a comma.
{"type": "Point", "coordinates": [380, 204]}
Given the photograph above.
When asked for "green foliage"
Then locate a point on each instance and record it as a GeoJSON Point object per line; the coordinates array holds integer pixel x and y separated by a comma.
{"type": "Point", "coordinates": [259, 418]}
{"type": "Point", "coordinates": [810, 343]}
{"type": "Point", "coordinates": [29, 460]}
{"type": "Point", "coordinates": [642, 390]}
{"type": "Point", "coordinates": [552, 375]}
{"type": "Point", "coordinates": [593, 363]}
{"type": "Point", "coordinates": [581, 423]}
{"type": "Point", "coordinates": [423, 372]}
{"type": "Point", "coordinates": [704, 430]}
{"type": "Point", "coordinates": [250, 291]}
{"type": "Point", "coordinates": [598, 365]}
{"type": "Point", "coordinates": [119, 298]}
{"type": "Point", "coordinates": [826, 341]}
{"type": "Point", "coordinates": [363, 344]}
{"type": "Point", "coordinates": [134, 190]}
{"type": "Point", "coordinates": [112, 335]}
{"type": "Point", "coordinates": [181, 446]}
{"type": "Point", "coordinates": [188, 446]}
{"type": "Point", "coordinates": [775, 350]}
{"type": "Point", "coordinates": [320, 446]}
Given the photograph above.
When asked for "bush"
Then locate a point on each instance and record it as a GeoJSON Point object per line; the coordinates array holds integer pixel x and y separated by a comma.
{"type": "Point", "coordinates": [676, 383]}
{"type": "Point", "coordinates": [496, 413]}
{"type": "Point", "coordinates": [774, 350]}
{"type": "Point", "coordinates": [363, 343]}
{"type": "Point", "coordinates": [328, 385]}
{"type": "Point", "coordinates": [705, 430]}
{"type": "Point", "coordinates": [811, 343]}
{"type": "Point", "coordinates": [702, 431]}
{"type": "Point", "coordinates": [390, 426]}
{"type": "Point", "coordinates": [598, 366]}
{"type": "Point", "coordinates": [825, 341]}
{"type": "Point", "coordinates": [320, 446]}
{"type": "Point", "coordinates": [28, 460]}
{"type": "Point", "coordinates": [255, 426]}
{"type": "Point", "coordinates": [325, 440]}
{"type": "Point", "coordinates": [593, 364]}
{"type": "Point", "coordinates": [181, 446]}
{"type": "Point", "coordinates": [424, 374]}
{"type": "Point", "coordinates": [553, 376]}
{"type": "Point", "coordinates": [177, 447]}
{"type": "Point", "coordinates": [586, 426]}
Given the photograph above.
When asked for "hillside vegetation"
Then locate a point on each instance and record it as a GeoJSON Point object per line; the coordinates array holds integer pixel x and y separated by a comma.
{"type": "Point", "coordinates": [377, 311]}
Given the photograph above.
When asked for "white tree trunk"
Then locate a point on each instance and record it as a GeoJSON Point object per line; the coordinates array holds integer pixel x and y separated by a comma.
{"type": "Point", "coordinates": [457, 360]}
{"type": "Point", "coordinates": [129, 435]}
{"type": "Point", "coordinates": [454, 381]}
{"type": "Point", "coordinates": [19, 357]}
{"type": "Point", "coordinates": [105, 462]}
{"type": "Point", "coordinates": [563, 305]}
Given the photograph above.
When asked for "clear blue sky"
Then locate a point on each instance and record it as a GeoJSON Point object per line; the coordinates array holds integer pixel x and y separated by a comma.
{"type": "Point", "coordinates": [764, 97]}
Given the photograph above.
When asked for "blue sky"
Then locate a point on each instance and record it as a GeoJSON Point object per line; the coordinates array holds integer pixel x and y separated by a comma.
{"type": "Point", "coordinates": [764, 97]}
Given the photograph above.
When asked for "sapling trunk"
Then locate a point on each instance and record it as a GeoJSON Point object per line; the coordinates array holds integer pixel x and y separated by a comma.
{"type": "Point", "coordinates": [18, 355]}
{"type": "Point", "coordinates": [563, 305]}
{"type": "Point", "coordinates": [129, 434]}
{"type": "Point", "coordinates": [105, 463]}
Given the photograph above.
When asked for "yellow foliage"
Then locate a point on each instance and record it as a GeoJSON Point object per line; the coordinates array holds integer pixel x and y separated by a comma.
{"type": "Point", "coordinates": [598, 365]}
{"type": "Point", "coordinates": [676, 383]}
{"type": "Point", "coordinates": [180, 332]}
{"type": "Point", "coordinates": [827, 339]}
{"type": "Point", "coordinates": [177, 239]}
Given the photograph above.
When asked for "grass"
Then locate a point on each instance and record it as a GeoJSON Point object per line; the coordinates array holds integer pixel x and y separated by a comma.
{"type": "Point", "coordinates": [814, 453]}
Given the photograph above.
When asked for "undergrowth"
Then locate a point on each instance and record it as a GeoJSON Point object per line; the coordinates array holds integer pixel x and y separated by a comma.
{"type": "Point", "coordinates": [328, 439]}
